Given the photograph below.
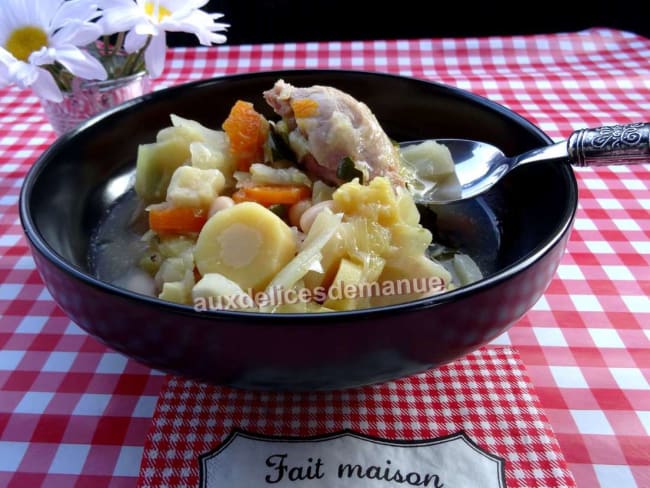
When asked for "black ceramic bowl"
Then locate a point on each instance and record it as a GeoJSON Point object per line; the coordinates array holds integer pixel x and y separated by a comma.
{"type": "Point", "coordinates": [517, 232]}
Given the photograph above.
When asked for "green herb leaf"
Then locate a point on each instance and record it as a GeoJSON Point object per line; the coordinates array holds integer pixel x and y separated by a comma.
{"type": "Point", "coordinates": [347, 171]}
{"type": "Point", "coordinates": [441, 253]}
{"type": "Point", "coordinates": [280, 210]}
{"type": "Point", "coordinates": [280, 150]}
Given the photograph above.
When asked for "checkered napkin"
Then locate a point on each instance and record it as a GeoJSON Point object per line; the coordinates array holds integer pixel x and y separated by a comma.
{"type": "Point", "coordinates": [486, 396]}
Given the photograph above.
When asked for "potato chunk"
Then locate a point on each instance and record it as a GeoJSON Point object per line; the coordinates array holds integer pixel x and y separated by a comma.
{"type": "Point", "coordinates": [408, 278]}
{"type": "Point", "coordinates": [215, 292]}
{"type": "Point", "coordinates": [215, 285]}
{"type": "Point", "coordinates": [344, 294]}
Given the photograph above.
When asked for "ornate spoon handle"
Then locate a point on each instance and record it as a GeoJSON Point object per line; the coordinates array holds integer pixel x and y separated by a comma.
{"type": "Point", "coordinates": [614, 144]}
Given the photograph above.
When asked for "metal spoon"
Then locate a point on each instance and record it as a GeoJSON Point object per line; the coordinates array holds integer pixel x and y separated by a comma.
{"type": "Point", "coordinates": [480, 165]}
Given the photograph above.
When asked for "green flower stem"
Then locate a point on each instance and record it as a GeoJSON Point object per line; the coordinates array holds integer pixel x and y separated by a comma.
{"type": "Point", "coordinates": [135, 61]}
{"type": "Point", "coordinates": [119, 44]}
{"type": "Point", "coordinates": [62, 76]}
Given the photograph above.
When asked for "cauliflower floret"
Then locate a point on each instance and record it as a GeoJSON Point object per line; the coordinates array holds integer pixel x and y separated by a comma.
{"type": "Point", "coordinates": [194, 187]}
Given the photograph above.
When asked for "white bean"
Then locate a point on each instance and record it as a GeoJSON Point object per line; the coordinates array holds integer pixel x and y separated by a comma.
{"type": "Point", "coordinates": [297, 210]}
{"type": "Point", "coordinates": [307, 218]}
{"type": "Point", "coordinates": [220, 203]}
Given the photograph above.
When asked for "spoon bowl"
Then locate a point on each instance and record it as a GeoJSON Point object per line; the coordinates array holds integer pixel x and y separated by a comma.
{"type": "Point", "coordinates": [479, 165]}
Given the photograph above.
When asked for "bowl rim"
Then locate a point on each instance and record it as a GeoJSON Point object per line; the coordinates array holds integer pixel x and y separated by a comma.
{"type": "Point", "coordinates": [330, 318]}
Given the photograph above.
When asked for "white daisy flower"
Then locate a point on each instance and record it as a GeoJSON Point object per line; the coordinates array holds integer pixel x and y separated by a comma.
{"type": "Point", "coordinates": [34, 35]}
{"type": "Point", "coordinates": [147, 22]}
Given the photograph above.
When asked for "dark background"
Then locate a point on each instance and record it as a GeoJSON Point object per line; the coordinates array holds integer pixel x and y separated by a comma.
{"type": "Point", "coordinates": [262, 21]}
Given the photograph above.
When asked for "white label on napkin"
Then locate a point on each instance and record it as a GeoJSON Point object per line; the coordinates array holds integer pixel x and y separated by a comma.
{"type": "Point", "coordinates": [348, 459]}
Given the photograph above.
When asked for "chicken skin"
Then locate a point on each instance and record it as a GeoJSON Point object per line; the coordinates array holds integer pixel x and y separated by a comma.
{"type": "Point", "coordinates": [327, 126]}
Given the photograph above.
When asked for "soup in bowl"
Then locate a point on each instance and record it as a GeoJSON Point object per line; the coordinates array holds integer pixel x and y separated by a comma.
{"type": "Point", "coordinates": [80, 198]}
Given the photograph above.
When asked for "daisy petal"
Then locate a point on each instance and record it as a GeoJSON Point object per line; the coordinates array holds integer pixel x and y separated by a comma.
{"type": "Point", "coordinates": [200, 24]}
{"type": "Point", "coordinates": [215, 39]}
{"type": "Point", "coordinates": [43, 56]}
{"type": "Point", "coordinates": [45, 86]}
{"type": "Point", "coordinates": [74, 10]}
{"type": "Point", "coordinates": [183, 5]}
{"type": "Point", "coordinates": [216, 16]}
{"type": "Point", "coordinates": [81, 64]}
{"type": "Point", "coordinates": [154, 56]}
{"type": "Point", "coordinates": [23, 74]}
{"type": "Point", "coordinates": [44, 10]}
{"type": "Point", "coordinates": [146, 29]}
{"type": "Point", "coordinates": [6, 60]}
{"type": "Point", "coordinates": [134, 42]}
{"type": "Point", "coordinates": [76, 33]}
{"type": "Point", "coordinates": [115, 4]}
{"type": "Point", "coordinates": [118, 20]}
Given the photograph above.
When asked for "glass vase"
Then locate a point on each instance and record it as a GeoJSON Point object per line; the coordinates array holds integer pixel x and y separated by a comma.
{"type": "Point", "coordinates": [88, 98]}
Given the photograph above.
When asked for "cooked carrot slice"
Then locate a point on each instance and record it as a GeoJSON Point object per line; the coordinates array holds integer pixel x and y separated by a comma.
{"type": "Point", "coordinates": [176, 220]}
{"type": "Point", "coordinates": [304, 107]}
{"type": "Point", "coordinates": [247, 131]}
{"type": "Point", "coordinates": [239, 196]}
{"type": "Point", "coordinates": [272, 194]}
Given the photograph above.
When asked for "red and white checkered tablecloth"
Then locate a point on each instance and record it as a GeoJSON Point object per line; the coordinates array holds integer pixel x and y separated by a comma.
{"type": "Point", "coordinates": [74, 413]}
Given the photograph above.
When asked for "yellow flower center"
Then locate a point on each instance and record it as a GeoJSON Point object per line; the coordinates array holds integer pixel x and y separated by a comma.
{"type": "Point", "coordinates": [149, 8]}
{"type": "Point", "coordinates": [25, 40]}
